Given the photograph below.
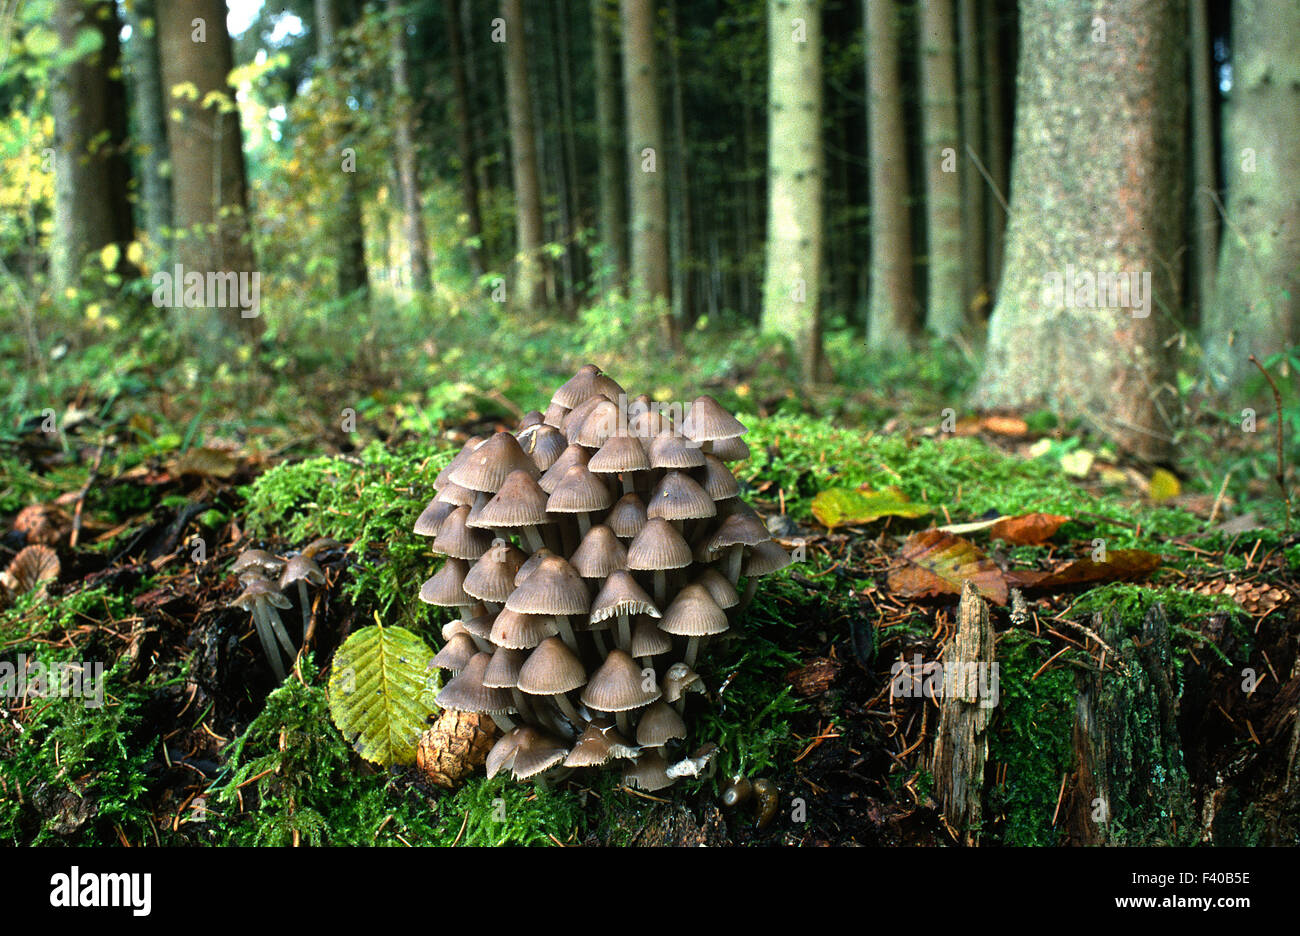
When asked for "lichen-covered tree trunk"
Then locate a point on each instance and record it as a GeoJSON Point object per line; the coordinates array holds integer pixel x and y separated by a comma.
{"type": "Point", "coordinates": [91, 173]}
{"type": "Point", "coordinates": [892, 316]}
{"type": "Point", "coordinates": [942, 156]}
{"type": "Point", "coordinates": [530, 282]}
{"type": "Point", "coordinates": [796, 165]}
{"type": "Point", "coordinates": [149, 113]}
{"type": "Point", "coordinates": [210, 224]}
{"type": "Point", "coordinates": [1093, 268]}
{"type": "Point", "coordinates": [609, 146]}
{"type": "Point", "coordinates": [645, 141]}
{"type": "Point", "coordinates": [1256, 305]}
{"type": "Point", "coordinates": [408, 167]}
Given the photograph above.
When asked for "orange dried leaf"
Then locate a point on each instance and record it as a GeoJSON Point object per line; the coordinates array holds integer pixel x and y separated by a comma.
{"type": "Point", "coordinates": [936, 563]}
{"type": "Point", "coordinates": [1120, 565]}
{"type": "Point", "coordinates": [1027, 529]}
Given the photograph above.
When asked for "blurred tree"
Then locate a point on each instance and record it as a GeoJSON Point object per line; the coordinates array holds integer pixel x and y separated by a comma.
{"type": "Point", "coordinates": [645, 139]}
{"type": "Point", "coordinates": [974, 249]}
{"type": "Point", "coordinates": [149, 121]}
{"type": "Point", "coordinates": [464, 136]}
{"type": "Point", "coordinates": [995, 128]}
{"type": "Point", "coordinates": [1257, 293]}
{"type": "Point", "coordinates": [892, 310]}
{"type": "Point", "coordinates": [796, 165]}
{"type": "Point", "coordinates": [531, 277]}
{"type": "Point", "coordinates": [209, 191]}
{"type": "Point", "coordinates": [942, 156]}
{"type": "Point", "coordinates": [1205, 216]}
{"type": "Point", "coordinates": [609, 146]}
{"type": "Point", "coordinates": [91, 172]}
{"type": "Point", "coordinates": [1092, 272]}
{"type": "Point", "coordinates": [408, 167]}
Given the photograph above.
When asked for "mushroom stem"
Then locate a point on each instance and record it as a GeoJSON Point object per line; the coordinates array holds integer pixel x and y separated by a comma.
{"type": "Point", "coordinates": [624, 632]}
{"type": "Point", "coordinates": [504, 722]}
{"type": "Point", "coordinates": [629, 483]}
{"type": "Point", "coordinates": [751, 586]}
{"type": "Point", "coordinates": [566, 632]}
{"type": "Point", "coordinates": [599, 641]}
{"type": "Point", "coordinates": [268, 642]}
{"type": "Point", "coordinates": [692, 649]}
{"type": "Point", "coordinates": [272, 618]}
{"type": "Point", "coordinates": [624, 724]}
{"type": "Point", "coordinates": [661, 587]}
{"type": "Point", "coordinates": [733, 563]}
{"type": "Point", "coordinates": [521, 703]}
{"type": "Point", "coordinates": [306, 608]}
{"type": "Point", "coordinates": [567, 708]}
{"type": "Point", "coordinates": [584, 524]}
{"type": "Point", "coordinates": [533, 538]}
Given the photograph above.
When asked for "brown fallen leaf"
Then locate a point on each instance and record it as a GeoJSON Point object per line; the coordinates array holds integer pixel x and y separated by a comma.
{"type": "Point", "coordinates": [210, 462]}
{"type": "Point", "coordinates": [1027, 529]}
{"type": "Point", "coordinates": [31, 569]}
{"type": "Point", "coordinates": [1005, 425]}
{"type": "Point", "coordinates": [1121, 565]}
{"type": "Point", "coordinates": [937, 563]}
{"type": "Point", "coordinates": [42, 524]}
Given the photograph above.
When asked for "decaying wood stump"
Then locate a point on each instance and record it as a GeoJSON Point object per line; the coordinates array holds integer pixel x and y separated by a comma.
{"type": "Point", "coordinates": [970, 694]}
{"type": "Point", "coordinates": [1131, 787]}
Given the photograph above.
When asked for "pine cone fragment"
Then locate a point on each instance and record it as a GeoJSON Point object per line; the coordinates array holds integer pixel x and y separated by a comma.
{"type": "Point", "coordinates": [454, 747]}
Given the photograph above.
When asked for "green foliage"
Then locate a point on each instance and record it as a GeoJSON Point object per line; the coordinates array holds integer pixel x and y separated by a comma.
{"type": "Point", "coordinates": [382, 687]}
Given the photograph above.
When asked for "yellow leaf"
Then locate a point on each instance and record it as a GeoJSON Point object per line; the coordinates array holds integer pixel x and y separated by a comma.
{"type": "Point", "coordinates": [109, 256]}
{"type": "Point", "coordinates": [92, 311]}
{"type": "Point", "coordinates": [135, 254]}
{"type": "Point", "coordinates": [1163, 486]}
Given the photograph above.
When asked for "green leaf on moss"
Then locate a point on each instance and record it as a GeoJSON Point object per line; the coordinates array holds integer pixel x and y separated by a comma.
{"type": "Point", "coordinates": [840, 506]}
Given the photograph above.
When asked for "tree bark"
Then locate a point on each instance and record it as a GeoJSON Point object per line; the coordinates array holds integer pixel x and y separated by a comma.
{"type": "Point", "coordinates": [408, 168]}
{"type": "Point", "coordinates": [945, 305]}
{"type": "Point", "coordinates": [346, 224]}
{"type": "Point", "coordinates": [796, 166]}
{"type": "Point", "coordinates": [974, 249]}
{"type": "Point", "coordinates": [1257, 291]}
{"type": "Point", "coordinates": [211, 229]}
{"type": "Point", "coordinates": [609, 145]}
{"type": "Point", "coordinates": [683, 261]}
{"type": "Point", "coordinates": [464, 138]}
{"type": "Point", "coordinates": [1094, 94]}
{"type": "Point", "coordinates": [648, 206]}
{"type": "Point", "coordinates": [530, 283]}
{"type": "Point", "coordinates": [995, 140]}
{"type": "Point", "coordinates": [892, 310]}
{"type": "Point", "coordinates": [1205, 181]}
{"type": "Point", "coordinates": [91, 173]}
{"type": "Point", "coordinates": [149, 109]}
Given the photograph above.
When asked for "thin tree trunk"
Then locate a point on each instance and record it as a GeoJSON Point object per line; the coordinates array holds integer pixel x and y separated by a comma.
{"type": "Point", "coordinates": [1256, 305]}
{"type": "Point", "coordinates": [408, 169]}
{"type": "Point", "coordinates": [530, 281]}
{"type": "Point", "coordinates": [974, 258]}
{"type": "Point", "coordinates": [149, 112]}
{"type": "Point", "coordinates": [796, 166]}
{"type": "Point", "coordinates": [892, 309]}
{"type": "Point", "coordinates": [995, 140]}
{"type": "Point", "coordinates": [1092, 265]}
{"type": "Point", "coordinates": [683, 290]}
{"type": "Point", "coordinates": [1205, 182]}
{"type": "Point", "coordinates": [945, 305]}
{"type": "Point", "coordinates": [609, 144]}
{"type": "Point", "coordinates": [464, 139]}
{"type": "Point", "coordinates": [648, 209]}
{"type": "Point", "coordinates": [347, 225]}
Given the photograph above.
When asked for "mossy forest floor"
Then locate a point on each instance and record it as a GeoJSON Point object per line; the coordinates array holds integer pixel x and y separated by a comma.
{"type": "Point", "coordinates": [195, 744]}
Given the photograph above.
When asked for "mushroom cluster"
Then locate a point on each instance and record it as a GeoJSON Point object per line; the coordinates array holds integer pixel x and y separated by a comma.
{"type": "Point", "coordinates": [592, 555]}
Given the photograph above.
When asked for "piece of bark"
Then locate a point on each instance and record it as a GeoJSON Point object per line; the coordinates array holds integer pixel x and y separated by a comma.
{"type": "Point", "coordinates": [970, 695]}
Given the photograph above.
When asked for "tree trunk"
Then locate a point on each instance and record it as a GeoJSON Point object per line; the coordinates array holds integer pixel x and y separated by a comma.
{"type": "Point", "coordinates": [1205, 178]}
{"type": "Point", "coordinates": [347, 228]}
{"type": "Point", "coordinates": [408, 168]}
{"type": "Point", "coordinates": [645, 138]}
{"type": "Point", "coordinates": [1076, 324]}
{"type": "Point", "coordinates": [683, 269]}
{"type": "Point", "coordinates": [91, 172]}
{"type": "Point", "coordinates": [530, 282]}
{"type": "Point", "coordinates": [945, 305]}
{"type": "Point", "coordinates": [1257, 292]}
{"type": "Point", "coordinates": [974, 256]}
{"type": "Point", "coordinates": [464, 138]}
{"type": "Point", "coordinates": [892, 310]}
{"type": "Point", "coordinates": [796, 165]}
{"type": "Point", "coordinates": [995, 140]}
{"type": "Point", "coordinates": [609, 144]}
{"type": "Point", "coordinates": [211, 228]}
{"type": "Point", "coordinates": [150, 115]}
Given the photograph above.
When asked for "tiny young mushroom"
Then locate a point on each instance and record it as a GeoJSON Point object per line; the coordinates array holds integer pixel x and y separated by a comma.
{"type": "Point", "coordinates": [261, 598]}
{"type": "Point", "coordinates": [579, 492]}
{"type": "Point", "coordinates": [648, 641]}
{"type": "Point", "coordinates": [257, 560]}
{"type": "Point", "coordinates": [620, 455]}
{"type": "Point", "coordinates": [519, 505]}
{"type": "Point", "coordinates": [503, 673]}
{"type": "Point", "coordinates": [492, 578]}
{"type": "Point", "coordinates": [737, 532]}
{"type": "Point", "coordinates": [302, 570]}
{"type": "Point", "coordinates": [456, 653]}
{"type": "Point", "coordinates": [619, 687]}
{"type": "Point", "coordinates": [552, 669]}
{"type": "Point", "coordinates": [627, 517]}
{"type": "Point", "coordinates": [621, 596]}
{"type": "Point", "coordinates": [658, 548]}
{"type": "Point", "coordinates": [679, 680]}
{"type": "Point", "coordinates": [694, 615]}
{"type": "Point", "coordinates": [658, 725]}
{"type": "Point", "coordinates": [555, 589]}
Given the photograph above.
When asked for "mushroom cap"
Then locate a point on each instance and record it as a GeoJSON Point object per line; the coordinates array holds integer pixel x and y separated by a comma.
{"type": "Point", "coordinates": [544, 445]}
{"type": "Point", "coordinates": [648, 639]}
{"type": "Point", "coordinates": [765, 559]}
{"type": "Point", "coordinates": [577, 388]}
{"type": "Point", "coordinates": [457, 539]}
{"type": "Point", "coordinates": [258, 559]}
{"type": "Point", "coordinates": [301, 568]}
{"type": "Point", "coordinates": [739, 530]}
{"type": "Point", "coordinates": [531, 563]}
{"type": "Point", "coordinates": [575, 417]}
{"type": "Point", "coordinates": [678, 496]}
{"type": "Point", "coordinates": [446, 587]}
{"type": "Point", "coordinates": [572, 455]}
{"type": "Point", "coordinates": [456, 653]}
{"type": "Point", "coordinates": [719, 483]}
{"type": "Point", "coordinates": [530, 419]}
{"type": "Point", "coordinates": [719, 587]}
{"type": "Point", "coordinates": [627, 517]}
{"type": "Point", "coordinates": [521, 631]}
{"type": "Point", "coordinates": [600, 424]}
{"type": "Point", "coordinates": [679, 680]}
{"type": "Point", "coordinates": [536, 752]}
{"type": "Point", "coordinates": [503, 671]}
{"type": "Point", "coordinates": [550, 669]}
{"type": "Point", "coordinates": [620, 453]}
{"type": "Point", "coordinates": [597, 745]}
{"type": "Point", "coordinates": [693, 613]}
{"type": "Point", "coordinates": [730, 450]}
{"type": "Point", "coordinates": [658, 547]}
{"type": "Point", "coordinates": [488, 466]}
{"type": "Point", "coordinates": [492, 578]}
{"type": "Point", "coordinates": [444, 476]}
{"type": "Point", "coordinates": [618, 686]}
{"type": "Point", "coordinates": [258, 589]}
{"type": "Point", "coordinates": [658, 725]}
{"type": "Point", "coordinates": [554, 588]}
{"type": "Point", "coordinates": [648, 772]}
{"type": "Point", "coordinates": [455, 495]}
{"type": "Point", "coordinates": [519, 503]}
{"type": "Point", "coordinates": [452, 628]}
{"type": "Point", "coordinates": [432, 517]}
{"type": "Point", "coordinates": [502, 754]}
{"type": "Point", "coordinates": [707, 421]}
{"type": "Point", "coordinates": [322, 544]}
{"type": "Point", "coordinates": [554, 415]}
{"type": "Point", "coordinates": [479, 625]}
{"type": "Point", "coordinates": [599, 554]}
{"type": "Point", "coordinates": [621, 595]}
{"type": "Point", "coordinates": [579, 491]}
{"type": "Point", "coordinates": [668, 449]}
{"type": "Point", "coordinates": [465, 691]}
